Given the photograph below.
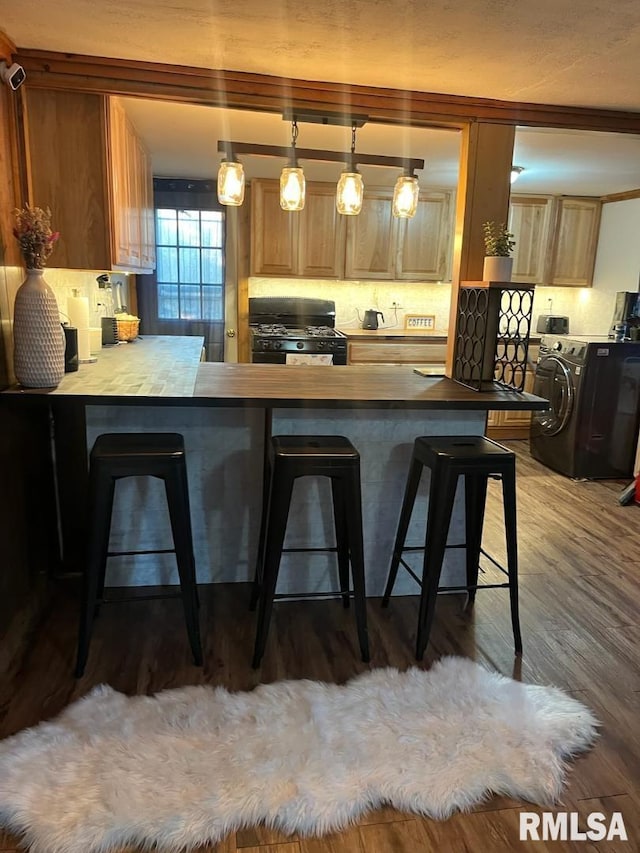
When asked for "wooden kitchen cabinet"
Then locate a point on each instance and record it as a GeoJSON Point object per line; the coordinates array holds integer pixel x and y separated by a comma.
{"type": "Point", "coordinates": [409, 349]}
{"type": "Point", "coordinates": [425, 241]}
{"type": "Point", "coordinates": [530, 222]}
{"type": "Point", "coordinates": [575, 240]}
{"type": "Point", "coordinates": [308, 244]}
{"type": "Point", "coordinates": [556, 239]}
{"type": "Point", "coordinates": [87, 165]}
{"type": "Point", "coordinates": [374, 245]}
{"type": "Point", "coordinates": [372, 239]}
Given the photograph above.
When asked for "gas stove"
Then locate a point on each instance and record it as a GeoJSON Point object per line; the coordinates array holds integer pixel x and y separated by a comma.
{"type": "Point", "coordinates": [287, 325]}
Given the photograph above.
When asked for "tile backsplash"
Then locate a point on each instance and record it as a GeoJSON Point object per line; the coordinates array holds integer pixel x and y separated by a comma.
{"type": "Point", "coordinates": [588, 308]}
{"type": "Point", "coordinates": [64, 282]}
{"type": "Point", "coordinates": [353, 298]}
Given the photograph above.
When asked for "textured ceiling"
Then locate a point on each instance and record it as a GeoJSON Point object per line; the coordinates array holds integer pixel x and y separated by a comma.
{"type": "Point", "coordinates": [584, 53]}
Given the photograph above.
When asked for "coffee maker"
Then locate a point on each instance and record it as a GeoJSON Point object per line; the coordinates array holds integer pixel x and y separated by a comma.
{"type": "Point", "coordinates": [626, 316]}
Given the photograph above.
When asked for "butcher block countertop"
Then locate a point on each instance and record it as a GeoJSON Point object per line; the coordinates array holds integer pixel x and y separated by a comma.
{"type": "Point", "coordinates": [162, 370]}
{"type": "Point", "coordinates": [350, 386]}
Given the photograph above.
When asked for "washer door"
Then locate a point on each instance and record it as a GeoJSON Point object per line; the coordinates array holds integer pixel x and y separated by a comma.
{"type": "Point", "coordinates": [554, 382]}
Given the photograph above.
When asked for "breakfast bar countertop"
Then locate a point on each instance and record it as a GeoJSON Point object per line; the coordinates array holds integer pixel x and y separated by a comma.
{"type": "Point", "coordinates": [166, 370]}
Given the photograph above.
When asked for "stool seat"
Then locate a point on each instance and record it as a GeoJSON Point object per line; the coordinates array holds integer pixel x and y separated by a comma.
{"type": "Point", "coordinates": [477, 459]}
{"type": "Point", "coordinates": [290, 457]}
{"type": "Point", "coordinates": [113, 457]}
{"type": "Point", "coordinates": [331, 449]}
{"type": "Point", "coordinates": [141, 445]}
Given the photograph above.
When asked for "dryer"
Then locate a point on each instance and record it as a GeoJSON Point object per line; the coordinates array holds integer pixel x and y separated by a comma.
{"type": "Point", "coordinates": [590, 429]}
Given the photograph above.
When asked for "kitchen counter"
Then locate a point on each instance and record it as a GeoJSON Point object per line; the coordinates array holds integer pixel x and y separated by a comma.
{"type": "Point", "coordinates": [158, 384]}
{"type": "Point", "coordinates": [163, 370]}
{"type": "Point", "coordinates": [387, 334]}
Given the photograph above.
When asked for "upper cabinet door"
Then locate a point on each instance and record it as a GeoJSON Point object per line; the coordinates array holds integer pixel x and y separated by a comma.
{"type": "Point", "coordinates": [274, 232]}
{"type": "Point", "coordinates": [530, 222]}
{"type": "Point", "coordinates": [372, 238]}
{"type": "Point", "coordinates": [66, 158]}
{"type": "Point", "coordinates": [424, 247]}
{"type": "Point", "coordinates": [575, 241]}
{"type": "Point", "coordinates": [321, 234]}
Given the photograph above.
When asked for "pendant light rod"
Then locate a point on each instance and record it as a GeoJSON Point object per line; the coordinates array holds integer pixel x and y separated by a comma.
{"type": "Point", "coordinates": [234, 148]}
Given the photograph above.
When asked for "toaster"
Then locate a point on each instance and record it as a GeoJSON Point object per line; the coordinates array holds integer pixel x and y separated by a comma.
{"type": "Point", "coordinates": [552, 324]}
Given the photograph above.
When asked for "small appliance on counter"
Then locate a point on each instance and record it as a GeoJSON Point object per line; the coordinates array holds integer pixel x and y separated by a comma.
{"type": "Point", "coordinates": [626, 316]}
{"type": "Point", "coordinates": [552, 324]}
{"type": "Point", "coordinates": [70, 348]}
{"type": "Point", "coordinates": [371, 319]}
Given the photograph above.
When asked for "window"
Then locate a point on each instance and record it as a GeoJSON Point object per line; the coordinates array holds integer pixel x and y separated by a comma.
{"type": "Point", "coordinates": [190, 264]}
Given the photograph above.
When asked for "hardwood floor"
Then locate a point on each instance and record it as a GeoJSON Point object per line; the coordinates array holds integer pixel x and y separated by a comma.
{"type": "Point", "coordinates": [580, 597]}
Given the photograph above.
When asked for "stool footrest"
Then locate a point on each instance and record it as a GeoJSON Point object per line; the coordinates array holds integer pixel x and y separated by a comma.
{"type": "Point", "coordinates": [133, 553]}
{"type": "Point", "coordinates": [294, 596]}
{"type": "Point", "coordinates": [309, 550]}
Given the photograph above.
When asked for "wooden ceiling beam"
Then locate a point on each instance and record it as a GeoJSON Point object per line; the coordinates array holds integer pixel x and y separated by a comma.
{"type": "Point", "coordinates": [244, 90]}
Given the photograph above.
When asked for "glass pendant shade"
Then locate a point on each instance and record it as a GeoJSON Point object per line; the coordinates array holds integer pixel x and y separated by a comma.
{"type": "Point", "coordinates": [405, 196]}
{"type": "Point", "coordinates": [349, 193]}
{"type": "Point", "coordinates": [231, 183]}
{"type": "Point", "coordinates": [292, 188]}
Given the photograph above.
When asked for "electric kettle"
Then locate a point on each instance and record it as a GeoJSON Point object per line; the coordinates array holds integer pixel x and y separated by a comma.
{"type": "Point", "coordinates": [371, 319]}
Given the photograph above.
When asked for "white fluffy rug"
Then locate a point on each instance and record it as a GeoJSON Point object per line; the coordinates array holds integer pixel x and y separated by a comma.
{"type": "Point", "coordinates": [188, 766]}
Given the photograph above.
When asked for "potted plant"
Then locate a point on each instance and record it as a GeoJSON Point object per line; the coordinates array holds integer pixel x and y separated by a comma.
{"type": "Point", "coordinates": [498, 244]}
{"type": "Point", "coordinates": [38, 339]}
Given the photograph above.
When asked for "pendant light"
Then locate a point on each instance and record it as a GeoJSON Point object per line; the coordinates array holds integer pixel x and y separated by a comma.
{"type": "Point", "coordinates": [231, 183]}
{"type": "Point", "coordinates": [516, 171]}
{"type": "Point", "coordinates": [405, 196]}
{"type": "Point", "coordinates": [350, 189]}
{"type": "Point", "coordinates": [292, 182]}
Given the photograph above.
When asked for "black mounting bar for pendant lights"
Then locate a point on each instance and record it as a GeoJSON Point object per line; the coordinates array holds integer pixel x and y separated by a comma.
{"type": "Point", "coordinates": [232, 149]}
{"type": "Point", "coordinates": [324, 117]}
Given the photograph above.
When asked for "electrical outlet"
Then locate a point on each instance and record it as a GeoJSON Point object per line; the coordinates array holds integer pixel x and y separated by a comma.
{"type": "Point", "coordinates": [396, 306]}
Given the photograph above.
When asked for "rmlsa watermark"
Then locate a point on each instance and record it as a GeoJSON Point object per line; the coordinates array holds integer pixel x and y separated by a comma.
{"type": "Point", "coordinates": [565, 826]}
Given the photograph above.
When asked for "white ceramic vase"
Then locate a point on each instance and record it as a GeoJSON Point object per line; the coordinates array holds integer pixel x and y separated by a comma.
{"type": "Point", "coordinates": [497, 268]}
{"type": "Point", "coordinates": [38, 338]}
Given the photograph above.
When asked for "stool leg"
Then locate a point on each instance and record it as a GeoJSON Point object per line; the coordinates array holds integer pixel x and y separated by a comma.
{"type": "Point", "coordinates": [442, 493]}
{"type": "Point", "coordinates": [353, 501]}
{"type": "Point", "coordinates": [509, 501]}
{"type": "Point", "coordinates": [342, 541]}
{"type": "Point", "coordinates": [411, 490]}
{"type": "Point", "coordinates": [257, 577]}
{"type": "Point", "coordinates": [175, 483]}
{"type": "Point", "coordinates": [475, 496]}
{"type": "Point", "coordinates": [110, 485]}
{"type": "Point", "coordinates": [101, 488]}
{"type": "Point", "coordinates": [280, 490]}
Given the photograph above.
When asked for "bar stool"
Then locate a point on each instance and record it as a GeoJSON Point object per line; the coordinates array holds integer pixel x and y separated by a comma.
{"type": "Point", "coordinates": [118, 455]}
{"type": "Point", "coordinates": [290, 457]}
{"type": "Point", "coordinates": [477, 458]}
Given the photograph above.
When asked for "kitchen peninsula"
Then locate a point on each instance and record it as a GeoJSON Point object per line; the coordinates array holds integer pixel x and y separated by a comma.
{"type": "Point", "coordinates": [223, 410]}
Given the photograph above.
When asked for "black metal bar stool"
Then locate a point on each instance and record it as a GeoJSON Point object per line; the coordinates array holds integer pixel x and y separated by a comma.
{"type": "Point", "coordinates": [290, 457]}
{"type": "Point", "coordinates": [118, 455]}
{"type": "Point", "coordinates": [449, 457]}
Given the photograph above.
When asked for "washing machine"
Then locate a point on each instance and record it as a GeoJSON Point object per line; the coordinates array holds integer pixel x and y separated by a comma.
{"type": "Point", "coordinates": [590, 429]}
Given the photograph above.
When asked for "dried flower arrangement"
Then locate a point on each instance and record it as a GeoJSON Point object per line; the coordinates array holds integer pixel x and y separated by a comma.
{"type": "Point", "coordinates": [498, 240]}
{"type": "Point", "coordinates": [33, 232]}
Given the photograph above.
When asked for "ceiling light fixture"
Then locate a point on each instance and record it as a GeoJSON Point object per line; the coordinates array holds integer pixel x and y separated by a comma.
{"type": "Point", "coordinates": [230, 182]}
{"type": "Point", "coordinates": [516, 171]}
{"type": "Point", "coordinates": [292, 182]}
{"type": "Point", "coordinates": [350, 189]}
{"type": "Point", "coordinates": [405, 196]}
